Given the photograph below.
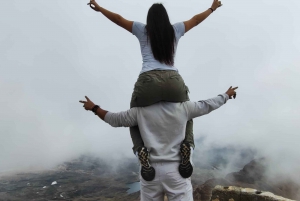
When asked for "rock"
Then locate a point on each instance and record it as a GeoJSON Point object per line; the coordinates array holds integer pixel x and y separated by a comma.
{"type": "Point", "coordinates": [252, 172]}
{"type": "Point", "coordinates": [253, 176]}
{"type": "Point", "coordinates": [233, 193]}
{"type": "Point", "coordinates": [203, 192]}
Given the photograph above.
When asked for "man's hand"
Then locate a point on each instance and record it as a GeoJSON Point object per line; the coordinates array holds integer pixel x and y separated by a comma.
{"type": "Point", "coordinates": [88, 104]}
{"type": "Point", "coordinates": [216, 4]}
{"type": "Point", "coordinates": [93, 4]}
{"type": "Point", "coordinates": [231, 92]}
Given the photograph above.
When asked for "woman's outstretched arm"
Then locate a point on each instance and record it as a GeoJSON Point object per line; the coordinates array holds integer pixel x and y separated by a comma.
{"type": "Point", "coordinates": [114, 17]}
{"type": "Point", "coordinates": [197, 19]}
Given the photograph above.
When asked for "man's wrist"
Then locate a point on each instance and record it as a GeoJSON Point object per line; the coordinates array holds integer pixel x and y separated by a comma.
{"type": "Point", "coordinates": [95, 108]}
{"type": "Point", "coordinates": [225, 96]}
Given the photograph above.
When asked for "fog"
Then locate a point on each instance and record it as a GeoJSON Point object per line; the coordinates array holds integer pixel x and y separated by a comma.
{"type": "Point", "coordinates": [53, 53]}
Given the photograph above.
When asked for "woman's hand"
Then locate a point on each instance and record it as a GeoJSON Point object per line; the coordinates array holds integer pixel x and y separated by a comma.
{"type": "Point", "coordinates": [93, 4]}
{"type": "Point", "coordinates": [231, 93]}
{"type": "Point", "coordinates": [88, 104]}
{"type": "Point", "coordinates": [216, 4]}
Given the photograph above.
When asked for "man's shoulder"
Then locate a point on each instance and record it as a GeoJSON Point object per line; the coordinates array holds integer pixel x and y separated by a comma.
{"type": "Point", "coordinates": [165, 104]}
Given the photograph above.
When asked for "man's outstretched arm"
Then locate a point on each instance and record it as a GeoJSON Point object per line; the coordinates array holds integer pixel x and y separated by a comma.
{"type": "Point", "coordinates": [121, 119]}
{"type": "Point", "coordinates": [196, 109]}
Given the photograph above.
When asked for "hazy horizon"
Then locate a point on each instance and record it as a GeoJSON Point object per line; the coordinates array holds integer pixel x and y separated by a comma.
{"type": "Point", "coordinates": [53, 53]}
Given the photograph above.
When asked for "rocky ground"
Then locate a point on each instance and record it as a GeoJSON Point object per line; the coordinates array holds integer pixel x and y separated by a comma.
{"type": "Point", "coordinates": [251, 176]}
{"type": "Point", "coordinates": [86, 178]}
{"type": "Point", "coordinates": [90, 179]}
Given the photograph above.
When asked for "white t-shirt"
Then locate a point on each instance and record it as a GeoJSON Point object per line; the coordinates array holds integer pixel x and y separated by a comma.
{"type": "Point", "coordinates": [149, 62]}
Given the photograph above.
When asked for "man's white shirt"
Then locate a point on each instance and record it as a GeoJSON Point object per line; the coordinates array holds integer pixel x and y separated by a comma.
{"type": "Point", "coordinates": [162, 125]}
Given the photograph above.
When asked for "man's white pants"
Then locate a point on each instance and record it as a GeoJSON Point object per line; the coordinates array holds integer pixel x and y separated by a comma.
{"type": "Point", "coordinates": [167, 181]}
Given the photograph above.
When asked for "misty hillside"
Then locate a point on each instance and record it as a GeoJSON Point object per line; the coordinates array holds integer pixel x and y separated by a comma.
{"type": "Point", "coordinates": [90, 178]}
{"type": "Point", "coordinates": [87, 177]}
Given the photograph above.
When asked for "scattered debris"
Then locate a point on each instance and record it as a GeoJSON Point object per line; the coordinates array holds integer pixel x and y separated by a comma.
{"type": "Point", "coordinates": [53, 183]}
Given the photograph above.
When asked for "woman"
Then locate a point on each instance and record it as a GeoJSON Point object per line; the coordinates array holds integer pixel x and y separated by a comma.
{"type": "Point", "coordinates": [159, 79]}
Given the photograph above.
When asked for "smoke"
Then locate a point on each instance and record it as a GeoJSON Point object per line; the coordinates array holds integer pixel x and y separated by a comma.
{"type": "Point", "coordinates": [51, 58]}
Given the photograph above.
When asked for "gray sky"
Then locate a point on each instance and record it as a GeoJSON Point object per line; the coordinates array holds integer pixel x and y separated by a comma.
{"type": "Point", "coordinates": [53, 53]}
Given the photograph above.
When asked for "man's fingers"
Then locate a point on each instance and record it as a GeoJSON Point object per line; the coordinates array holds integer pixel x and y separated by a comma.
{"type": "Point", "coordinates": [82, 101]}
{"type": "Point", "coordinates": [235, 88]}
{"type": "Point", "coordinates": [87, 98]}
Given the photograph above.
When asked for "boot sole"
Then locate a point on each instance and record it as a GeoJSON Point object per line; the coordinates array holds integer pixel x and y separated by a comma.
{"type": "Point", "coordinates": [186, 170]}
{"type": "Point", "coordinates": [148, 174]}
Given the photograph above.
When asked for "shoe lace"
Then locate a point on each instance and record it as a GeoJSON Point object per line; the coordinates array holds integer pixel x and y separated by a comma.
{"type": "Point", "coordinates": [143, 156]}
{"type": "Point", "coordinates": [185, 154]}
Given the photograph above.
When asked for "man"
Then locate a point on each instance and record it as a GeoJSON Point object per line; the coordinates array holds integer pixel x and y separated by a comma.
{"type": "Point", "coordinates": [162, 127]}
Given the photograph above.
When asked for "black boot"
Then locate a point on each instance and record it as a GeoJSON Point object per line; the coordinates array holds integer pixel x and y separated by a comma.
{"type": "Point", "coordinates": [147, 171]}
{"type": "Point", "coordinates": [185, 167]}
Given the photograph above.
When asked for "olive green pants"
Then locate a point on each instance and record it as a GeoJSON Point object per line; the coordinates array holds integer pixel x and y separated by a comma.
{"type": "Point", "coordinates": [154, 86]}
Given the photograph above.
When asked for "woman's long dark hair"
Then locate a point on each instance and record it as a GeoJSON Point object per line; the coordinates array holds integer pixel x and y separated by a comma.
{"type": "Point", "coordinates": [161, 34]}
